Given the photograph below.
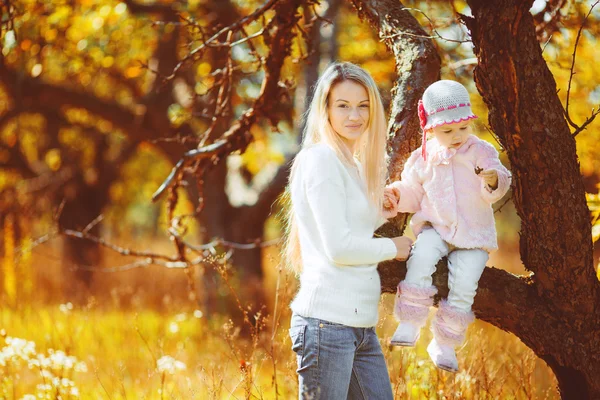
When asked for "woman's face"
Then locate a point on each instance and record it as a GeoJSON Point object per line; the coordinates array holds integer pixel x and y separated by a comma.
{"type": "Point", "coordinates": [452, 135]}
{"type": "Point", "coordinates": [349, 110]}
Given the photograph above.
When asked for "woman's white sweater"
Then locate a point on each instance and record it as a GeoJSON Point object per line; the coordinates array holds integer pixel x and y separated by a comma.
{"type": "Point", "coordinates": [339, 281]}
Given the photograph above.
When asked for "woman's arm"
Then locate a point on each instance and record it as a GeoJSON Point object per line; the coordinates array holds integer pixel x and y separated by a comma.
{"type": "Point", "coordinates": [327, 201]}
{"type": "Point", "coordinates": [326, 196]}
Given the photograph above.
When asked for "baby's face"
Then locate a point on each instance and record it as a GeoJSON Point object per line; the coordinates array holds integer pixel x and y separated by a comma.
{"type": "Point", "coordinates": [452, 135]}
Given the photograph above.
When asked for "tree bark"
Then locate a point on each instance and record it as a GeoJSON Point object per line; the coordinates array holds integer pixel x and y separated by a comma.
{"type": "Point", "coordinates": [527, 116]}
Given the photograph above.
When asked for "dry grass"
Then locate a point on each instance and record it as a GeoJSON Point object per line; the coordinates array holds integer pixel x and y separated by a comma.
{"type": "Point", "coordinates": [140, 337]}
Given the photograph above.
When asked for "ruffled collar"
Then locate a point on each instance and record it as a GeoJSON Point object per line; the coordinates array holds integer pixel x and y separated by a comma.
{"type": "Point", "coordinates": [440, 155]}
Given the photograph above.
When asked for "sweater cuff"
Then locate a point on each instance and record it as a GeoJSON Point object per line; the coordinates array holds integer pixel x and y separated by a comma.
{"type": "Point", "coordinates": [389, 249]}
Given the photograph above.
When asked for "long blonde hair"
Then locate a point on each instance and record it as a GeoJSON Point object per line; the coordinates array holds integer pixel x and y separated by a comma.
{"type": "Point", "coordinates": [370, 149]}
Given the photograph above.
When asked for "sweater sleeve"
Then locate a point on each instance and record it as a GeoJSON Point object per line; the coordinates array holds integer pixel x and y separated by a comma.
{"type": "Point", "coordinates": [326, 196]}
{"type": "Point", "coordinates": [410, 187]}
{"type": "Point", "coordinates": [487, 158]}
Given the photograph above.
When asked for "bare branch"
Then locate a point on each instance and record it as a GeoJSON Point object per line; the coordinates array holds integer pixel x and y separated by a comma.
{"type": "Point", "coordinates": [431, 25]}
{"type": "Point", "coordinates": [499, 209]}
{"type": "Point", "coordinates": [234, 27]}
{"type": "Point", "coordinates": [238, 136]}
{"type": "Point", "coordinates": [588, 121]}
{"type": "Point", "coordinates": [591, 118]}
{"type": "Point", "coordinates": [118, 249]}
{"type": "Point", "coordinates": [206, 251]}
{"type": "Point", "coordinates": [92, 224]}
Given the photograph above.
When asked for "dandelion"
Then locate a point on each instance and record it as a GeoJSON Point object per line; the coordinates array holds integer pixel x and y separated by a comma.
{"type": "Point", "coordinates": [52, 367]}
{"type": "Point", "coordinates": [168, 364]}
{"type": "Point", "coordinates": [44, 387]}
{"type": "Point", "coordinates": [19, 348]}
{"type": "Point", "coordinates": [59, 360]}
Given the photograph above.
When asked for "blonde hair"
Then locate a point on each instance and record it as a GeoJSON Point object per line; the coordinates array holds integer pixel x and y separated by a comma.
{"type": "Point", "coordinates": [370, 149]}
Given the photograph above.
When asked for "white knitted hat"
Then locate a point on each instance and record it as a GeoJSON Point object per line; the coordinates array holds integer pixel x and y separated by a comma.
{"type": "Point", "coordinates": [446, 102]}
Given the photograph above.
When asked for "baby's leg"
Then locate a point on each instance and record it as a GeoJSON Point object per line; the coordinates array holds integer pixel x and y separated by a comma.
{"type": "Point", "coordinates": [465, 267]}
{"type": "Point", "coordinates": [415, 293]}
{"type": "Point", "coordinates": [427, 250]}
{"type": "Point", "coordinates": [454, 315]}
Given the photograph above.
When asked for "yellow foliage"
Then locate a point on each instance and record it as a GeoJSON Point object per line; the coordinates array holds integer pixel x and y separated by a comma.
{"type": "Point", "coordinates": [26, 268]}
{"type": "Point", "coordinates": [53, 159]}
{"type": "Point", "coordinates": [133, 71]}
{"type": "Point", "coordinates": [9, 265]}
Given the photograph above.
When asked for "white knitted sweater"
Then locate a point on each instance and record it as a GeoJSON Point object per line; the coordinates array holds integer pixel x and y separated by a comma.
{"type": "Point", "coordinates": [339, 281]}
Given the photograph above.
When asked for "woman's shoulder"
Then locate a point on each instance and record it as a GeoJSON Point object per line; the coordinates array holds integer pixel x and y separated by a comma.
{"type": "Point", "coordinates": [319, 155]}
{"type": "Point", "coordinates": [319, 162]}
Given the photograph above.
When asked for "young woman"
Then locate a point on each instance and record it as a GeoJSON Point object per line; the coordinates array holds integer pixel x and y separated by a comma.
{"type": "Point", "coordinates": [337, 189]}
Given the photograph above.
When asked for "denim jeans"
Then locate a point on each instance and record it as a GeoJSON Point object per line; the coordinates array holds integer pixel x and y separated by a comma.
{"type": "Point", "coordinates": [338, 362]}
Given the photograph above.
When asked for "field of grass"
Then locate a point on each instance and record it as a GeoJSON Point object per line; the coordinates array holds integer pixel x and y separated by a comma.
{"type": "Point", "coordinates": [140, 337]}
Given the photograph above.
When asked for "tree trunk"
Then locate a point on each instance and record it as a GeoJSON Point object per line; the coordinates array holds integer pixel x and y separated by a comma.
{"type": "Point", "coordinates": [527, 116]}
{"type": "Point", "coordinates": [554, 310]}
{"type": "Point", "coordinates": [83, 203]}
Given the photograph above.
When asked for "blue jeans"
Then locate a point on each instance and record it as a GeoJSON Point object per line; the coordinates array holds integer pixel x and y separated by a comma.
{"type": "Point", "coordinates": [338, 362]}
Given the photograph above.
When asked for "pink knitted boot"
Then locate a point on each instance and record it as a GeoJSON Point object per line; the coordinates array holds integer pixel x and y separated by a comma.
{"type": "Point", "coordinates": [449, 327]}
{"type": "Point", "coordinates": [411, 309]}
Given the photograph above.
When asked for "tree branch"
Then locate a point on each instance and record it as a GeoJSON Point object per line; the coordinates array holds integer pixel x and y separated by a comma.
{"type": "Point", "coordinates": [238, 136]}
{"type": "Point", "coordinates": [500, 295]}
{"type": "Point", "coordinates": [590, 119]}
{"type": "Point", "coordinates": [234, 27]}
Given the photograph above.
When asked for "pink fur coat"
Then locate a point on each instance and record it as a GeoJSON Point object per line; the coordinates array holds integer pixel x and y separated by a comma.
{"type": "Point", "coordinates": [446, 193]}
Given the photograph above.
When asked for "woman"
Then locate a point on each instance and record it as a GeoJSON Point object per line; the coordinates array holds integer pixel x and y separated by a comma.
{"type": "Point", "coordinates": [337, 188]}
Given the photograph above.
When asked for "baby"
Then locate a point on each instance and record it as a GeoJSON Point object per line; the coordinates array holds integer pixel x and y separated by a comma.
{"type": "Point", "coordinates": [450, 184]}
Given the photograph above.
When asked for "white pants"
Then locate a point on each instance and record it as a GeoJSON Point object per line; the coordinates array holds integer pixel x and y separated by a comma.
{"type": "Point", "coordinates": [465, 266]}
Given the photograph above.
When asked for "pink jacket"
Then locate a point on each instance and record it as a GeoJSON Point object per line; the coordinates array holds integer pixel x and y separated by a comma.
{"type": "Point", "coordinates": [446, 193]}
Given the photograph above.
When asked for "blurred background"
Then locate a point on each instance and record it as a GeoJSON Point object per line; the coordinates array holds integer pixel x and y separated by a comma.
{"type": "Point", "coordinates": [100, 99]}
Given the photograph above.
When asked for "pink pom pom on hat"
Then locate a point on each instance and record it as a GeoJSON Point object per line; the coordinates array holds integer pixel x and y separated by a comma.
{"type": "Point", "coordinates": [444, 102]}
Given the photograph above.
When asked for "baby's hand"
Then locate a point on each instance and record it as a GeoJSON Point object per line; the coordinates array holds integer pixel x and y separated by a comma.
{"type": "Point", "coordinates": [490, 177]}
{"type": "Point", "coordinates": [391, 198]}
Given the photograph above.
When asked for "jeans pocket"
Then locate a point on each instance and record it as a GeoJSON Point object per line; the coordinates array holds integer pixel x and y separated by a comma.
{"type": "Point", "coordinates": [297, 336]}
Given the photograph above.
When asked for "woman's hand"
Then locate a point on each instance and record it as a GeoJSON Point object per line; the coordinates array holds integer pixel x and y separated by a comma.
{"type": "Point", "coordinates": [391, 198]}
{"type": "Point", "coordinates": [403, 247]}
